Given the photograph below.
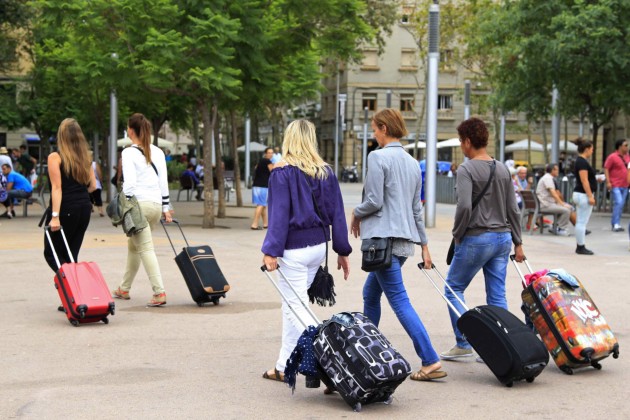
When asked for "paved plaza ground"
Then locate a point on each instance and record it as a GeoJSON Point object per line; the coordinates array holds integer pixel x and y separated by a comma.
{"type": "Point", "coordinates": [185, 362]}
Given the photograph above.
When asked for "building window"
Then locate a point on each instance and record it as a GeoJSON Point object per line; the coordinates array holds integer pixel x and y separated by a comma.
{"type": "Point", "coordinates": [369, 101]}
{"type": "Point", "coordinates": [407, 102]}
{"type": "Point", "coordinates": [370, 59]}
{"type": "Point", "coordinates": [407, 12]}
{"type": "Point", "coordinates": [445, 102]}
{"type": "Point", "coordinates": [408, 60]}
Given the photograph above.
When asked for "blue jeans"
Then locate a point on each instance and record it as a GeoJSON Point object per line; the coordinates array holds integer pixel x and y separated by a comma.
{"type": "Point", "coordinates": [618, 195]}
{"type": "Point", "coordinates": [489, 251]}
{"type": "Point", "coordinates": [389, 280]}
{"type": "Point", "coordinates": [583, 213]}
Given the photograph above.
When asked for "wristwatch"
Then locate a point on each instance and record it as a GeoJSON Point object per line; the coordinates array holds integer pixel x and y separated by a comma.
{"type": "Point", "coordinates": [55, 214]}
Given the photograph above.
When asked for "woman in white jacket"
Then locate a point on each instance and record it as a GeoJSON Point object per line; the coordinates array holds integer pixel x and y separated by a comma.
{"type": "Point", "coordinates": [144, 176]}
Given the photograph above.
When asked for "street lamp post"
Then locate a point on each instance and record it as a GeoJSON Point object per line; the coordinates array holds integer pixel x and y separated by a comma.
{"type": "Point", "coordinates": [113, 137]}
{"type": "Point", "coordinates": [432, 92]}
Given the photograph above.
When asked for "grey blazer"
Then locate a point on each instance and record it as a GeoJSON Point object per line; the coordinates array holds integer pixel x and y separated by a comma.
{"type": "Point", "coordinates": [391, 204]}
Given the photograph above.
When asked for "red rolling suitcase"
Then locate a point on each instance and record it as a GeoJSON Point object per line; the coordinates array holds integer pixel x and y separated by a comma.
{"type": "Point", "coordinates": [573, 329]}
{"type": "Point", "coordinates": [84, 294]}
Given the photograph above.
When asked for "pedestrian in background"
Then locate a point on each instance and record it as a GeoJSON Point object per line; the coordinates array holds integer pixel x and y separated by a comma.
{"type": "Point", "coordinates": [484, 234]}
{"type": "Point", "coordinates": [260, 189]}
{"type": "Point", "coordinates": [145, 177]}
{"type": "Point", "coordinates": [71, 181]}
{"type": "Point", "coordinates": [96, 196]}
{"type": "Point", "coordinates": [391, 208]}
{"type": "Point", "coordinates": [297, 236]}
{"type": "Point", "coordinates": [583, 193]}
{"type": "Point", "coordinates": [615, 168]}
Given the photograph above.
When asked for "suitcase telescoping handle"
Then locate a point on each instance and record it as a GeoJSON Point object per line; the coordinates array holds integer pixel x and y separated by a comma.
{"type": "Point", "coordinates": [52, 246]}
{"type": "Point", "coordinates": [169, 237]}
{"type": "Point", "coordinates": [520, 273]}
{"type": "Point", "coordinates": [286, 300]}
{"type": "Point", "coordinates": [450, 304]}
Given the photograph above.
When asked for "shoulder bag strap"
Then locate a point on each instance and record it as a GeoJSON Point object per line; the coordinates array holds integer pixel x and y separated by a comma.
{"type": "Point", "coordinates": [142, 151]}
{"type": "Point", "coordinates": [485, 188]}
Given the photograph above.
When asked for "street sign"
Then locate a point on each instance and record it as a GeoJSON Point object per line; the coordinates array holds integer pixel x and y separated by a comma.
{"type": "Point", "coordinates": [343, 97]}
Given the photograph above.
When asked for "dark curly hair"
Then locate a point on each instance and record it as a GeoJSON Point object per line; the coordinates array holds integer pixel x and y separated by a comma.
{"type": "Point", "coordinates": [475, 130]}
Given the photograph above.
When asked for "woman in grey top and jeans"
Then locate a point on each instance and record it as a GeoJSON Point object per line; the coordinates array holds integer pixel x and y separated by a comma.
{"type": "Point", "coordinates": [392, 208]}
{"type": "Point", "coordinates": [483, 235]}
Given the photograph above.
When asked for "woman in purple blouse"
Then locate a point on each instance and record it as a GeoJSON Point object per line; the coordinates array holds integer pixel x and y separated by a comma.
{"type": "Point", "coordinates": [295, 238]}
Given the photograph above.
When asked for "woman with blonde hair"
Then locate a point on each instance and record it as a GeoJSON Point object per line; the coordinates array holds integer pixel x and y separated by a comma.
{"type": "Point", "coordinates": [144, 176]}
{"type": "Point", "coordinates": [71, 180]}
{"type": "Point", "coordinates": [297, 236]}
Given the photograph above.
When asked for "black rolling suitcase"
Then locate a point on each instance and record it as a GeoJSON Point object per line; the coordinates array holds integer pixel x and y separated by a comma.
{"type": "Point", "coordinates": [509, 348]}
{"type": "Point", "coordinates": [354, 358]}
{"type": "Point", "coordinates": [200, 270]}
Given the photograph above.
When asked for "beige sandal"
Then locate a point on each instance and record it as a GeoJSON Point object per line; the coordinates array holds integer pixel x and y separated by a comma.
{"type": "Point", "coordinates": [421, 376]}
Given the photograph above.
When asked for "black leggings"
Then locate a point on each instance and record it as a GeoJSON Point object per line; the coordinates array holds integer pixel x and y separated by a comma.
{"type": "Point", "coordinates": [74, 221]}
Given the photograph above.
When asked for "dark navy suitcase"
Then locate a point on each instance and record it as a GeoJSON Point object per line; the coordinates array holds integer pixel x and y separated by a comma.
{"type": "Point", "coordinates": [201, 271]}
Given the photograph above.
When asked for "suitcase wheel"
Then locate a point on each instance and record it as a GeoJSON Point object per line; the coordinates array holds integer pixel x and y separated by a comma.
{"type": "Point", "coordinates": [509, 384]}
{"type": "Point", "coordinates": [105, 321]}
{"type": "Point", "coordinates": [596, 365]}
{"type": "Point", "coordinates": [74, 322]}
{"type": "Point", "coordinates": [530, 380]}
{"type": "Point", "coordinates": [200, 304]}
{"type": "Point", "coordinates": [357, 407]}
{"type": "Point", "coordinates": [567, 370]}
{"type": "Point", "coordinates": [389, 400]}
{"type": "Point", "coordinates": [215, 300]}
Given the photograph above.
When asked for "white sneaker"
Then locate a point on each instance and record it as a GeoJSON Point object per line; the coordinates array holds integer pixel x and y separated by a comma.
{"type": "Point", "coordinates": [456, 353]}
{"type": "Point", "coordinates": [561, 232]}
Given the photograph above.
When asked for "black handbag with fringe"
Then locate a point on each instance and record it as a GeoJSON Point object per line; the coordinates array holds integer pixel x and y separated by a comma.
{"type": "Point", "coordinates": [322, 289]}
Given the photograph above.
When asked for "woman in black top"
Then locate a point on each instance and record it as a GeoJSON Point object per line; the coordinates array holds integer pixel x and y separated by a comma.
{"type": "Point", "coordinates": [260, 188]}
{"type": "Point", "coordinates": [583, 198]}
{"type": "Point", "coordinates": [71, 180]}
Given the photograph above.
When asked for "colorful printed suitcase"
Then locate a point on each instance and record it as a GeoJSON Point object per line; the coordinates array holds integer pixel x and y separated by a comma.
{"type": "Point", "coordinates": [82, 289]}
{"type": "Point", "coordinates": [573, 329]}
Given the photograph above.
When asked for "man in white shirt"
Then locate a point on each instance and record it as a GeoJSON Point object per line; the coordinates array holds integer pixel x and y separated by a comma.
{"type": "Point", "coordinates": [551, 201]}
{"type": "Point", "coordinates": [5, 158]}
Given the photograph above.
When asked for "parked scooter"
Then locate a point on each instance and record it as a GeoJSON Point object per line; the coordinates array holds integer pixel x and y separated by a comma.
{"type": "Point", "coordinates": [350, 173]}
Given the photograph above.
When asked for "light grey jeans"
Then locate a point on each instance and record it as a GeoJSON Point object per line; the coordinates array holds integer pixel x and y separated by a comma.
{"type": "Point", "coordinates": [140, 250]}
{"type": "Point", "coordinates": [583, 210]}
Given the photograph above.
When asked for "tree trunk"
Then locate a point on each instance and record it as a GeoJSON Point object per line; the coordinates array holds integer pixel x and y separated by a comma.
{"type": "Point", "coordinates": [594, 140]}
{"type": "Point", "coordinates": [208, 187]}
{"type": "Point", "coordinates": [195, 133]}
{"type": "Point", "coordinates": [529, 136]}
{"type": "Point", "coordinates": [219, 169]}
{"type": "Point", "coordinates": [157, 123]}
{"type": "Point", "coordinates": [237, 165]}
{"type": "Point", "coordinates": [544, 137]}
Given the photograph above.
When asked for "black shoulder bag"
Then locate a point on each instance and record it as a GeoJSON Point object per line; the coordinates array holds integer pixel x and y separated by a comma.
{"type": "Point", "coordinates": [451, 249]}
{"type": "Point", "coordinates": [322, 289]}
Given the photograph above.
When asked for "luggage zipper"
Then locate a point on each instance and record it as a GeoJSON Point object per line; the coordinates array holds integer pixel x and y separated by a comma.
{"type": "Point", "coordinates": [553, 329]}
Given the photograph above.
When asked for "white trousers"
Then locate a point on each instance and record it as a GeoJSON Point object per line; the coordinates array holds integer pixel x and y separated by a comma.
{"type": "Point", "coordinates": [299, 267]}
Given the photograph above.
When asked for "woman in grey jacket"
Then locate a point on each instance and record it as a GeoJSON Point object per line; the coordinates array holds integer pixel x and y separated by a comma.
{"type": "Point", "coordinates": [392, 208]}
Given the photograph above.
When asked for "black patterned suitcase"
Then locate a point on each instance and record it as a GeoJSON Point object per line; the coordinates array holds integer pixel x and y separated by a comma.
{"type": "Point", "coordinates": [354, 357]}
{"type": "Point", "coordinates": [201, 271]}
{"type": "Point", "coordinates": [358, 361]}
